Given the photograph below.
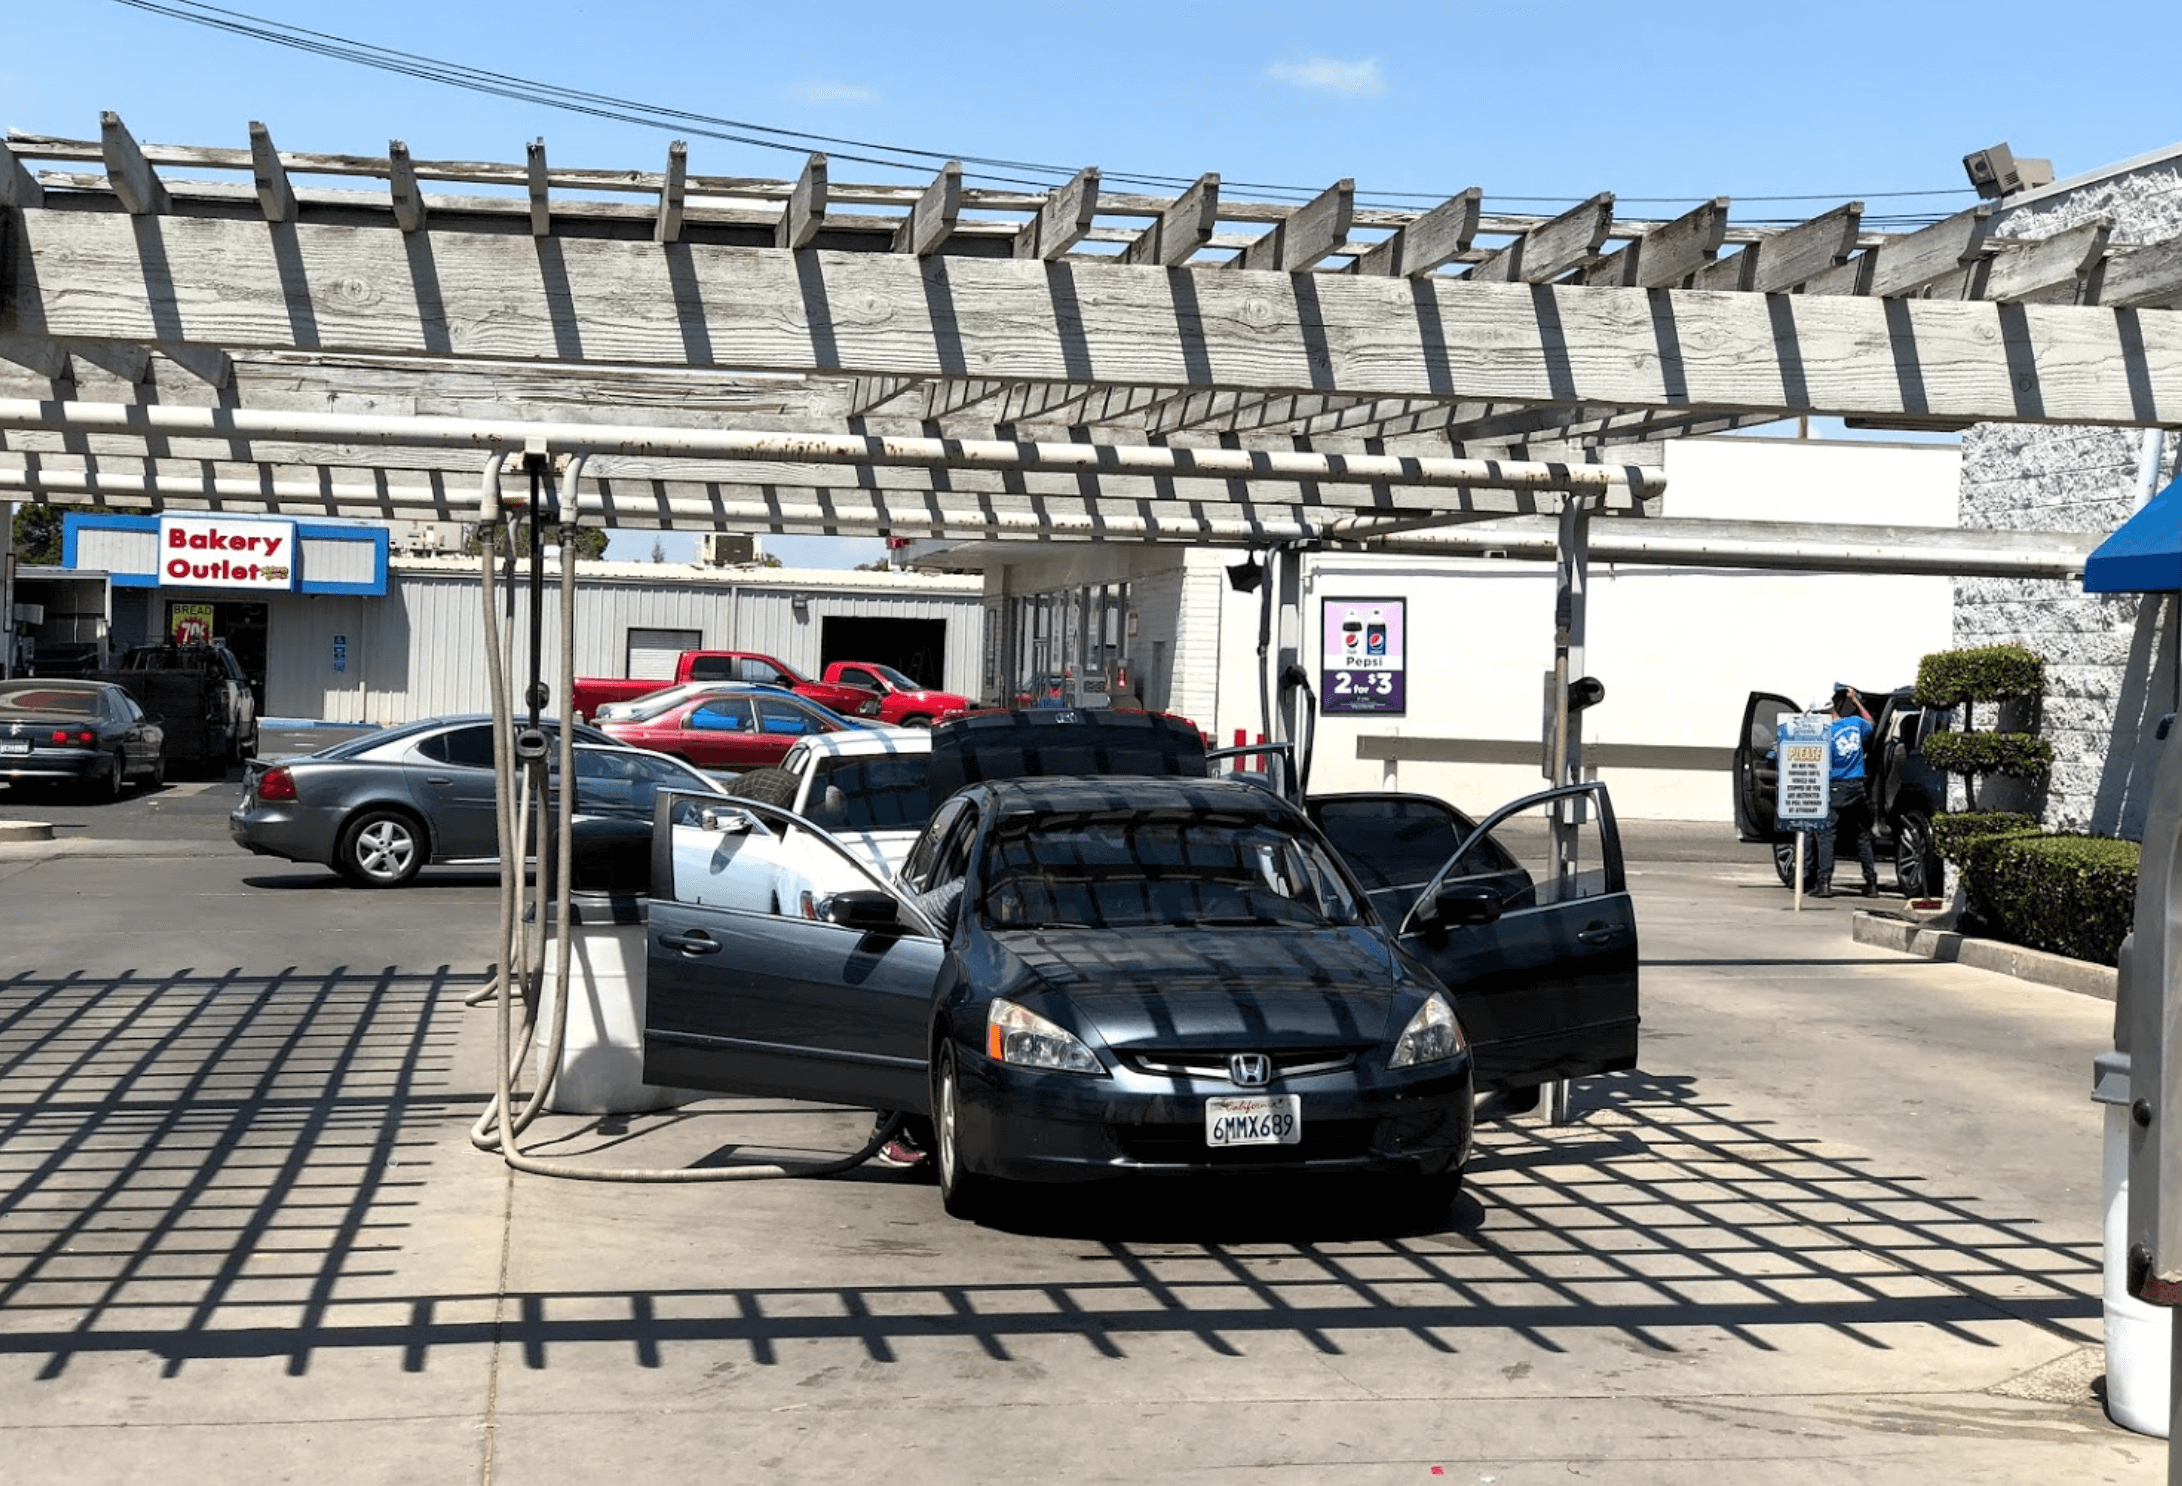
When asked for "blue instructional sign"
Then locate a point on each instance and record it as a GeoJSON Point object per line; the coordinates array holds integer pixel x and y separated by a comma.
{"type": "Point", "coordinates": [1806, 770]}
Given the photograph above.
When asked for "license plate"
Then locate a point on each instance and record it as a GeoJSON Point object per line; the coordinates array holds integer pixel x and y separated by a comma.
{"type": "Point", "coordinates": [14, 745]}
{"type": "Point", "coordinates": [1256, 1119]}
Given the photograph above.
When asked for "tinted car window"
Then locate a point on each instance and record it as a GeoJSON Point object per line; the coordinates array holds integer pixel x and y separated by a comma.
{"type": "Point", "coordinates": [464, 748]}
{"type": "Point", "coordinates": [758, 671]}
{"type": "Point", "coordinates": [712, 668]}
{"type": "Point", "coordinates": [46, 698]}
{"type": "Point", "coordinates": [778, 715]}
{"type": "Point", "coordinates": [720, 715]}
{"type": "Point", "coordinates": [1400, 841]}
{"type": "Point", "coordinates": [882, 793]}
{"type": "Point", "coordinates": [1144, 869]}
{"type": "Point", "coordinates": [924, 855]}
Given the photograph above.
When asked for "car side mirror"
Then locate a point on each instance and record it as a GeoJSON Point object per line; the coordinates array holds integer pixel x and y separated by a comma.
{"type": "Point", "coordinates": [1465, 903]}
{"type": "Point", "coordinates": [862, 908]}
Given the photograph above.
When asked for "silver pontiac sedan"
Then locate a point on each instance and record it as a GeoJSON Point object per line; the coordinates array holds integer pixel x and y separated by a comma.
{"type": "Point", "coordinates": [379, 808]}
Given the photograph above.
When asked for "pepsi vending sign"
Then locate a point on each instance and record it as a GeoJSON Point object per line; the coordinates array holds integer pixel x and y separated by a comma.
{"type": "Point", "coordinates": [1361, 669]}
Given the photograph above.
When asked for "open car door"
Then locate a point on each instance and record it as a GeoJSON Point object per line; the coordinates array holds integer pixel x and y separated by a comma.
{"type": "Point", "coordinates": [1531, 927]}
{"type": "Point", "coordinates": [1757, 773]}
{"type": "Point", "coordinates": [777, 963]}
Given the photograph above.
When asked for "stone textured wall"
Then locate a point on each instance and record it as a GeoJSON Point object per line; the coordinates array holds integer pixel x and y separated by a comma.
{"type": "Point", "coordinates": [2110, 658]}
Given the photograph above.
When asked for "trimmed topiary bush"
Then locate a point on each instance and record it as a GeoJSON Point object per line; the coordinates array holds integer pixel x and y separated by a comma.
{"type": "Point", "coordinates": [2016, 755]}
{"type": "Point", "coordinates": [1963, 678]}
{"type": "Point", "coordinates": [1987, 673]}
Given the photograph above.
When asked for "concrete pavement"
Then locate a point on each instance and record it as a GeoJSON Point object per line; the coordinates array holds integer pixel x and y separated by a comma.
{"type": "Point", "coordinates": [1843, 1226]}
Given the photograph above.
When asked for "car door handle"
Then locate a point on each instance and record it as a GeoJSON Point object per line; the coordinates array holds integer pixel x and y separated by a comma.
{"type": "Point", "coordinates": [440, 779]}
{"type": "Point", "coordinates": [1600, 934]}
{"type": "Point", "coordinates": [695, 942]}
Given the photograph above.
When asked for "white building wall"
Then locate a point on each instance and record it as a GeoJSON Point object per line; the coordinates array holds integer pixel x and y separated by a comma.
{"type": "Point", "coordinates": [1679, 649]}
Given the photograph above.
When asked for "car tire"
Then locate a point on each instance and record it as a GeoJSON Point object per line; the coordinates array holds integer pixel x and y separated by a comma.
{"type": "Point", "coordinates": [157, 779]}
{"type": "Point", "coordinates": [1918, 870]}
{"type": "Point", "coordinates": [106, 785]}
{"type": "Point", "coordinates": [1784, 864]}
{"type": "Point", "coordinates": [963, 1193]}
{"type": "Point", "coordinates": [918, 721]}
{"type": "Point", "coordinates": [381, 848]}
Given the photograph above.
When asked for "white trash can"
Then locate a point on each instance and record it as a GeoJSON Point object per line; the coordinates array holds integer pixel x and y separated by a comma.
{"type": "Point", "coordinates": [602, 1055]}
{"type": "Point", "coordinates": [2139, 1337]}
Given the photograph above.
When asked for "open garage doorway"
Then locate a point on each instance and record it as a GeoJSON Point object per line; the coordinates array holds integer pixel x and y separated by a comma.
{"type": "Point", "coordinates": [915, 647]}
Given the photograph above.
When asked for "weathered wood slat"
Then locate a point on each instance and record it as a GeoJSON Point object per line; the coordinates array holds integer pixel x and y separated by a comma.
{"type": "Point", "coordinates": [1909, 263]}
{"type": "Point", "coordinates": [1543, 254]}
{"type": "Point", "coordinates": [1667, 257]}
{"type": "Point", "coordinates": [1318, 227]}
{"type": "Point", "coordinates": [944, 399]}
{"type": "Point", "coordinates": [401, 182]}
{"type": "Point", "coordinates": [276, 197]}
{"type": "Point", "coordinates": [2054, 269]}
{"type": "Point", "coordinates": [932, 220]}
{"type": "Point", "coordinates": [2148, 277]}
{"type": "Point", "coordinates": [1041, 402]}
{"type": "Point", "coordinates": [133, 178]}
{"type": "Point", "coordinates": [1061, 223]}
{"type": "Point", "coordinates": [1786, 261]}
{"type": "Point", "coordinates": [869, 394]}
{"type": "Point", "coordinates": [353, 289]}
{"type": "Point", "coordinates": [1732, 273]}
{"type": "Point", "coordinates": [43, 356]}
{"type": "Point", "coordinates": [18, 187]}
{"type": "Point", "coordinates": [673, 194]}
{"type": "Point", "coordinates": [1852, 277]}
{"type": "Point", "coordinates": [541, 189]}
{"type": "Point", "coordinates": [1181, 230]}
{"type": "Point", "coordinates": [1433, 240]}
{"type": "Point", "coordinates": [805, 211]}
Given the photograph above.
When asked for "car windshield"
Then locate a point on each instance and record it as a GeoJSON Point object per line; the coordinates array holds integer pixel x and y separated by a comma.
{"type": "Point", "coordinates": [48, 700]}
{"type": "Point", "coordinates": [1147, 868]}
{"type": "Point", "coordinates": [893, 677]}
{"type": "Point", "coordinates": [884, 792]}
{"type": "Point", "coordinates": [651, 704]}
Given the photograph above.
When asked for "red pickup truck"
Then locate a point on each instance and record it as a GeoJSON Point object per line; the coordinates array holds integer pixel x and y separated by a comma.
{"type": "Point", "coordinates": [595, 692]}
{"type": "Point", "coordinates": [901, 700]}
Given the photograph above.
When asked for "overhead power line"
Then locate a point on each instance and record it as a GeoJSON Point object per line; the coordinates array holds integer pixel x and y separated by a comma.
{"type": "Point", "coordinates": [991, 169]}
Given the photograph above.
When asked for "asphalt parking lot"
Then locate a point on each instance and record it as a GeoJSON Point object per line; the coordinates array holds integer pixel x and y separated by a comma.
{"type": "Point", "coordinates": [1842, 1226]}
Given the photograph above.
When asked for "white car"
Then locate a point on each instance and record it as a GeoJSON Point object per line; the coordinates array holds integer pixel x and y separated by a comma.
{"type": "Point", "coordinates": [866, 787]}
{"type": "Point", "coordinates": [652, 703]}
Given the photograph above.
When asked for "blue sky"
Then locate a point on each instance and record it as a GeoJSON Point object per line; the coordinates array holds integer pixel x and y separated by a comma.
{"type": "Point", "coordinates": [1676, 103]}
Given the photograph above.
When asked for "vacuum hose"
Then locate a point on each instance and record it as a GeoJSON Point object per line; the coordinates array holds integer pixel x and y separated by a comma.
{"type": "Point", "coordinates": [522, 784]}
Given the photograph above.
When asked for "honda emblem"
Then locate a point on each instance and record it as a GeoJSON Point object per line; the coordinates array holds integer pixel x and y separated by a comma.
{"type": "Point", "coordinates": [1250, 1070]}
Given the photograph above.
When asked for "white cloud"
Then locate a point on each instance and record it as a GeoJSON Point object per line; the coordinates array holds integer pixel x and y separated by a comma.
{"type": "Point", "coordinates": [832, 90]}
{"type": "Point", "coordinates": [1358, 79]}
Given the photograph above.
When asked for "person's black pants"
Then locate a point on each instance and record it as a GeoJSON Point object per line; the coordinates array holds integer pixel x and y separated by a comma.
{"type": "Point", "coordinates": [1849, 810]}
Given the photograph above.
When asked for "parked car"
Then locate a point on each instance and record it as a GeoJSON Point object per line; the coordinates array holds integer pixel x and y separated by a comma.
{"type": "Point", "coordinates": [1905, 791]}
{"type": "Point", "coordinates": [88, 733]}
{"type": "Point", "coordinates": [1103, 976]}
{"type": "Point", "coordinates": [740, 731]}
{"type": "Point", "coordinates": [200, 693]}
{"type": "Point", "coordinates": [594, 692]}
{"type": "Point", "coordinates": [652, 703]}
{"type": "Point", "coordinates": [380, 807]}
{"type": "Point", "coordinates": [902, 701]}
{"type": "Point", "coordinates": [869, 787]}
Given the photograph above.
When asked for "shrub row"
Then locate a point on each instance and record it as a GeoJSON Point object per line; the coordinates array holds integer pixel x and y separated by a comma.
{"type": "Point", "coordinates": [2017, 755]}
{"type": "Point", "coordinates": [2070, 895]}
{"type": "Point", "coordinates": [1988, 673]}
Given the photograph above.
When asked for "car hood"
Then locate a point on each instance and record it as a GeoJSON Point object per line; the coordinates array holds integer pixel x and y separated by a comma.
{"type": "Point", "coordinates": [1261, 987]}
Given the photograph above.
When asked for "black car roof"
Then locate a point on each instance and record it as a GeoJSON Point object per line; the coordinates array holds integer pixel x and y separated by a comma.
{"type": "Point", "coordinates": [1063, 741]}
{"type": "Point", "coordinates": [1066, 795]}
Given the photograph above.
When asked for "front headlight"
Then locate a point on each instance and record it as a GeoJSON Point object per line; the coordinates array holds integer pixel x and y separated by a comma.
{"type": "Point", "coordinates": [1014, 1035]}
{"type": "Point", "coordinates": [1432, 1035]}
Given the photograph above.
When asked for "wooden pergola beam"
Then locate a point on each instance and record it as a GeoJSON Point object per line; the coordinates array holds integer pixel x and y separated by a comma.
{"type": "Point", "coordinates": [1432, 241]}
{"type": "Point", "coordinates": [932, 220]}
{"type": "Point", "coordinates": [1181, 230]}
{"type": "Point", "coordinates": [276, 197]}
{"type": "Point", "coordinates": [2149, 277]}
{"type": "Point", "coordinates": [1318, 228]}
{"type": "Point", "coordinates": [18, 187]}
{"type": "Point", "coordinates": [1667, 257]}
{"type": "Point", "coordinates": [673, 192]}
{"type": "Point", "coordinates": [805, 211]}
{"type": "Point", "coordinates": [222, 282]}
{"type": "Point", "coordinates": [1788, 259]}
{"type": "Point", "coordinates": [540, 188]}
{"type": "Point", "coordinates": [1064, 219]}
{"type": "Point", "coordinates": [1543, 254]}
{"type": "Point", "coordinates": [133, 178]}
{"type": "Point", "coordinates": [402, 187]}
{"type": "Point", "coordinates": [2053, 270]}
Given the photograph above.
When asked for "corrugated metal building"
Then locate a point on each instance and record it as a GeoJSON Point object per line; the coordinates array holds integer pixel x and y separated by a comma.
{"type": "Point", "coordinates": [362, 635]}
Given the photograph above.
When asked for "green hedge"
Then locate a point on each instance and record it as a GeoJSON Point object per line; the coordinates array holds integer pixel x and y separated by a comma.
{"type": "Point", "coordinates": [1989, 673]}
{"type": "Point", "coordinates": [2070, 895]}
{"type": "Point", "coordinates": [2017, 755]}
{"type": "Point", "coordinates": [1951, 833]}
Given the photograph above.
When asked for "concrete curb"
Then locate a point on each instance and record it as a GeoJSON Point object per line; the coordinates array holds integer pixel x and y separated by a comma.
{"type": "Point", "coordinates": [25, 830]}
{"type": "Point", "coordinates": [2035, 965]}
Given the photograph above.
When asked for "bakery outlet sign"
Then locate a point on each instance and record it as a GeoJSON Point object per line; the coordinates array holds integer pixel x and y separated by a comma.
{"type": "Point", "coordinates": [195, 552]}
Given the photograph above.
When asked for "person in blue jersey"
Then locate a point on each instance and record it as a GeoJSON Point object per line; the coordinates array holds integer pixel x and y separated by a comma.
{"type": "Point", "coordinates": [1849, 806]}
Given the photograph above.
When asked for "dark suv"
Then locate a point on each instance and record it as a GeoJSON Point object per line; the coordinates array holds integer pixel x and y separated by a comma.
{"type": "Point", "coordinates": [1906, 792]}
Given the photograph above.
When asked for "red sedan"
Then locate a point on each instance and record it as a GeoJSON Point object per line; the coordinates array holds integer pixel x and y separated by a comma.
{"type": "Point", "coordinates": [743, 731]}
